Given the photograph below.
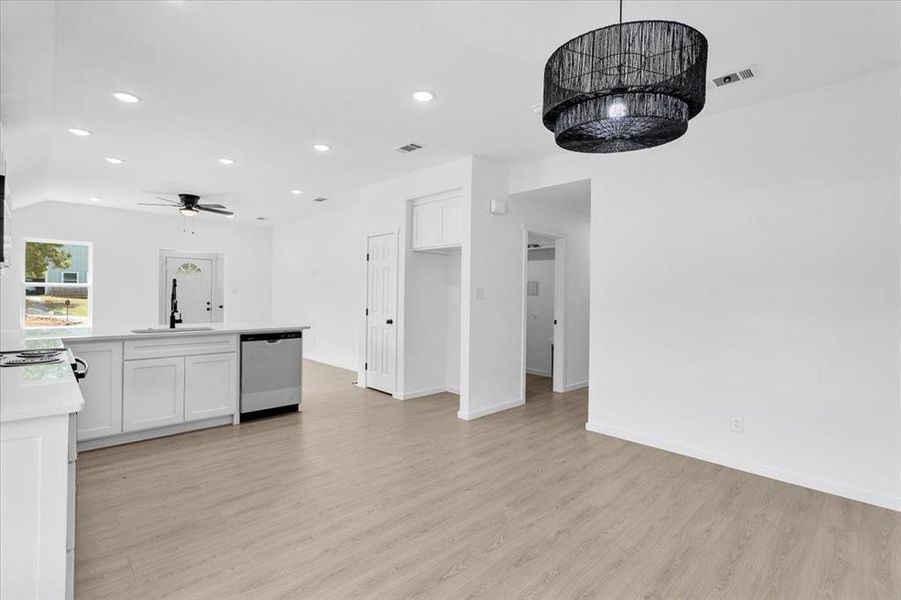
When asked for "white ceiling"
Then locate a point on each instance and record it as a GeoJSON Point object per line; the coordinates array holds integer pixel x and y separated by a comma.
{"type": "Point", "coordinates": [263, 81]}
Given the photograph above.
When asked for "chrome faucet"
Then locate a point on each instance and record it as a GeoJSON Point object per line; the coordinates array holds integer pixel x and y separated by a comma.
{"type": "Point", "coordinates": [174, 315]}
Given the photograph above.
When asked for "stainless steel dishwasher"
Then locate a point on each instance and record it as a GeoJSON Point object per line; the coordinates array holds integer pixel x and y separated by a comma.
{"type": "Point", "coordinates": [271, 371]}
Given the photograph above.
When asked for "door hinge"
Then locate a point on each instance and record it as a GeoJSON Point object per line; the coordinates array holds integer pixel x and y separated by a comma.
{"type": "Point", "coordinates": [367, 257]}
{"type": "Point", "coordinates": [365, 366]}
{"type": "Point", "coordinates": [367, 312]}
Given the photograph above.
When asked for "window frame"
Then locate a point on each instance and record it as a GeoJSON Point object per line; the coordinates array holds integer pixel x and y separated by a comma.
{"type": "Point", "coordinates": [88, 284]}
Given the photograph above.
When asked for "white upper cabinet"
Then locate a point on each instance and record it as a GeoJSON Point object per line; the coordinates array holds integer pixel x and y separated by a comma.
{"type": "Point", "coordinates": [102, 389]}
{"type": "Point", "coordinates": [437, 223]}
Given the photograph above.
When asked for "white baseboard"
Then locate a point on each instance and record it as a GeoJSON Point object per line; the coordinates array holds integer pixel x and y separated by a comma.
{"type": "Point", "coordinates": [489, 410]}
{"type": "Point", "coordinates": [878, 499]}
{"type": "Point", "coordinates": [147, 434]}
{"type": "Point", "coordinates": [539, 372]}
{"type": "Point", "coordinates": [425, 392]}
{"type": "Point", "coordinates": [575, 386]}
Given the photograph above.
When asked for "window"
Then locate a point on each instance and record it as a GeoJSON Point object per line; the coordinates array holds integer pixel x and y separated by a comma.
{"type": "Point", "coordinates": [63, 272]}
{"type": "Point", "coordinates": [188, 267]}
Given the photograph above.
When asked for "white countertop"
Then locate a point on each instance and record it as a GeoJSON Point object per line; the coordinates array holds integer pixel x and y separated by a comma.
{"type": "Point", "coordinates": [122, 332]}
{"type": "Point", "coordinates": [44, 390]}
{"type": "Point", "coordinates": [37, 390]}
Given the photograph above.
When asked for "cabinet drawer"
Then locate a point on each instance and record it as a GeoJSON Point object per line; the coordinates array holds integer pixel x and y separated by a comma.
{"type": "Point", "coordinates": [180, 346]}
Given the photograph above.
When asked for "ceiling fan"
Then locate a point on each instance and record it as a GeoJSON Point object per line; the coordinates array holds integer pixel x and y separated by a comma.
{"type": "Point", "coordinates": [189, 205]}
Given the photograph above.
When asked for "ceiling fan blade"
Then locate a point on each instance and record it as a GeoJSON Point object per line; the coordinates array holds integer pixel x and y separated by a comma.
{"type": "Point", "coordinates": [167, 200]}
{"type": "Point", "coordinates": [154, 204]}
{"type": "Point", "coordinates": [212, 206]}
{"type": "Point", "coordinates": [213, 210]}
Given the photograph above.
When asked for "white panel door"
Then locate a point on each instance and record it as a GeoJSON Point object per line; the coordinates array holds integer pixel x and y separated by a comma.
{"type": "Point", "coordinates": [211, 385]}
{"type": "Point", "coordinates": [381, 302]}
{"type": "Point", "coordinates": [194, 289]}
{"type": "Point", "coordinates": [101, 388]}
{"type": "Point", "coordinates": [153, 393]}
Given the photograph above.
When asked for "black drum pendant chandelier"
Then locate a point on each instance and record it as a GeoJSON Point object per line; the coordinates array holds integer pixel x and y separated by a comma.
{"type": "Point", "coordinates": [625, 87]}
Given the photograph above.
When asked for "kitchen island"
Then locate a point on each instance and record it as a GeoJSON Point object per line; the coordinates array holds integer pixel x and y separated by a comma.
{"type": "Point", "coordinates": [153, 382]}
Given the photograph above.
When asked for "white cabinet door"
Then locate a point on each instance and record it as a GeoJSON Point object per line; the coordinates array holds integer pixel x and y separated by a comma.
{"type": "Point", "coordinates": [153, 393]}
{"type": "Point", "coordinates": [451, 219]}
{"type": "Point", "coordinates": [101, 388]}
{"type": "Point", "coordinates": [211, 388]}
{"type": "Point", "coordinates": [425, 225]}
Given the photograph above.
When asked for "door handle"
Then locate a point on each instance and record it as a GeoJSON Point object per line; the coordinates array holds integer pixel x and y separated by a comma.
{"type": "Point", "coordinates": [389, 322]}
{"type": "Point", "coordinates": [208, 308]}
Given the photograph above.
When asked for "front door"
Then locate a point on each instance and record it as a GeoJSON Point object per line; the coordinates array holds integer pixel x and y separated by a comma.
{"type": "Point", "coordinates": [381, 304]}
{"type": "Point", "coordinates": [194, 290]}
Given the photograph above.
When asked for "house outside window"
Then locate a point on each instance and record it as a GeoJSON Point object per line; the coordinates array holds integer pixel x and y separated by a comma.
{"type": "Point", "coordinates": [58, 283]}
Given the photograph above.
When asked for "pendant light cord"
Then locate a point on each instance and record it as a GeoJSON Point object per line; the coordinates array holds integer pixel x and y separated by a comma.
{"type": "Point", "coordinates": [620, 69]}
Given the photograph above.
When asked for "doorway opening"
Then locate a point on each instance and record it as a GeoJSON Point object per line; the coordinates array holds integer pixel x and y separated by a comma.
{"type": "Point", "coordinates": [199, 279]}
{"type": "Point", "coordinates": [543, 303]}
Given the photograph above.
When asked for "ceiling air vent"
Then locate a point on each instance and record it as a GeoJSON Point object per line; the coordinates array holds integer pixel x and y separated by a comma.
{"type": "Point", "coordinates": [320, 199]}
{"type": "Point", "coordinates": [411, 147]}
{"type": "Point", "coordinates": [728, 78]}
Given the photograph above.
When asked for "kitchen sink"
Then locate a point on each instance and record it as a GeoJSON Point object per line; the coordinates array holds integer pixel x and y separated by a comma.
{"type": "Point", "coordinates": [168, 330]}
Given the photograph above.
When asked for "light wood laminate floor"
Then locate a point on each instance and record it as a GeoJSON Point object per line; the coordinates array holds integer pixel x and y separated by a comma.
{"type": "Point", "coordinates": [363, 496]}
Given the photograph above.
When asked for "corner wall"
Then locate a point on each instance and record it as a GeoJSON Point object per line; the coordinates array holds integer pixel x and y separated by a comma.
{"type": "Point", "coordinates": [751, 269]}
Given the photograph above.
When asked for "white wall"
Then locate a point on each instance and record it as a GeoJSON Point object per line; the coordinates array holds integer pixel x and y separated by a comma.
{"type": "Point", "coordinates": [540, 315]}
{"type": "Point", "coordinates": [126, 260]}
{"type": "Point", "coordinates": [320, 267]}
{"type": "Point", "coordinates": [751, 269]}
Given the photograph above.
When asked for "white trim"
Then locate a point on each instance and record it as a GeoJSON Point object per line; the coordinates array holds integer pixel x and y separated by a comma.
{"type": "Point", "coordinates": [569, 387]}
{"type": "Point", "coordinates": [814, 483]}
{"type": "Point", "coordinates": [539, 372]}
{"type": "Point", "coordinates": [146, 434]}
{"type": "Point", "coordinates": [489, 410]}
{"type": "Point", "coordinates": [425, 392]}
{"type": "Point", "coordinates": [559, 369]}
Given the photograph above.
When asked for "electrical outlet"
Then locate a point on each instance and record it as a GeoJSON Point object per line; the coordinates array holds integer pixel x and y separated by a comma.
{"type": "Point", "coordinates": [738, 424]}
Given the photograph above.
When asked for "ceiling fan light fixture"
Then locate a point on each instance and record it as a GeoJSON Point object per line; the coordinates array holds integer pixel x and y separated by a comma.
{"type": "Point", "coordinates": [188, 212]}
{"type": "Point", "coordinates": [624, 87]}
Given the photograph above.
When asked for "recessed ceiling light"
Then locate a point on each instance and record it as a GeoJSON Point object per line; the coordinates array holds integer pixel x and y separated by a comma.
{"type": "Point", "coordinates": [126, 97]}
{"type": "Point", "coordinates": [321, 147]}
{"type": "Point", "coordinates": [297, 192]}
{"type": "Point", "coordinates": [423, 96]}
{"type": "Point", "coordinates": [79, 132]}
{"type": "Point", "coordinates": [227, 161]}
{"type": "Point", "coordinates": [113, 160]}
{"type": "Point", "coordinates": [94, 199]}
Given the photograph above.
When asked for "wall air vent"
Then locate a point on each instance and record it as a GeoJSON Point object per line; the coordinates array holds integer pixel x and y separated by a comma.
{"type": "Point", "coordinates": [320, 199]}
{"type": "Point", "coordinates": [411, 147]}
{"type": "Point", "coordinates": [735, 77]}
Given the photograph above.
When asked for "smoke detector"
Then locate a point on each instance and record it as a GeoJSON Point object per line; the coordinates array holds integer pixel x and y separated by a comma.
{"type": "Point", "coordinates": [411, 147]}
{"type": "Point", "coordinates": [736, 76]}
